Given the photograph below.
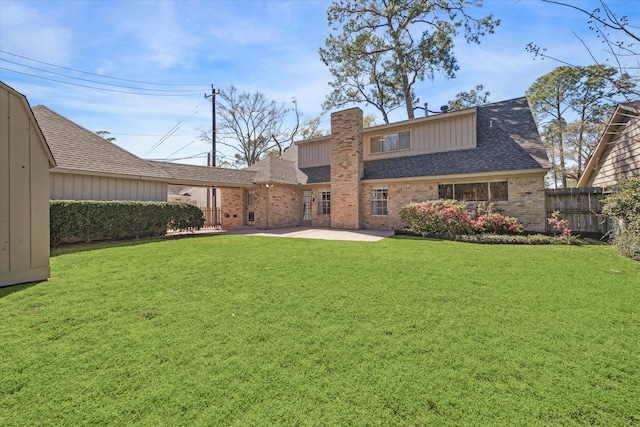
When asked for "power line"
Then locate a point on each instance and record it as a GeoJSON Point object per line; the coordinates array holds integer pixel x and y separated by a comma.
{"type": "Point", "coordinates": [97, 82]}
{"type": "Point", "coordinates": [93, 87]}
{"type": "Point", "coordinates": [173, 129]}
{"type": "Point", "coordinates": [95, 74]}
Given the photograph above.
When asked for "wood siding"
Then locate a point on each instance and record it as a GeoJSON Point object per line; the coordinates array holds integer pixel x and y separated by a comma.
{"type": "Point", "coordinates": [24, 202]}
{"type": "Point", "coordinates": [453, 131]}
{"type": "Point", "coordinates": [87, 187]}
{"type": "Point", "coordinates": [621, 157]}
{"type": "Point", "coordinates": [314, 153]}
{"type": "Point", "coordinates": [447, 133]}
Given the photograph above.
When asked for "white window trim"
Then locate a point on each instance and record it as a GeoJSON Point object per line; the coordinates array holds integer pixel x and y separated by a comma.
{"type": "Point", "coordinates": [321, 203]}
{"type": "Point", "coordinates": [388, 135]}
{"type": "Point", "coordinates": [376, 191]}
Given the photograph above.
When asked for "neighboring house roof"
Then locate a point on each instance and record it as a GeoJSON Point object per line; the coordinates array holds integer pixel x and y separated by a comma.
{"type": "Point", "coordinates": [508, 140]}
{"type": "Point", "coordinates": [78, 150]}
{"type": "Point", "coordinates": [619, 120]}
{"type": "Point", "coordinates": [25, 102]}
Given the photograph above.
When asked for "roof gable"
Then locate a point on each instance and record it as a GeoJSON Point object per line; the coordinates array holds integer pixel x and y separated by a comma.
{"type": "Point", "coordinates": [78, 149]}
{"type": "Point", "coordinates": [619, 120]}
{"type": "Point", "coordinates": [32, 117]}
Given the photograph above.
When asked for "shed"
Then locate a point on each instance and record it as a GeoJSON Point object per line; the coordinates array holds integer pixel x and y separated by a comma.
{"type": "Point", "coordinates": [25, 161]}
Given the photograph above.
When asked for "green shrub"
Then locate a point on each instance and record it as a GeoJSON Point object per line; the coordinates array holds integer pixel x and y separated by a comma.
{"type": "Point", "coordinates": [493, 239]}
{"type": "Point", "coordinates": [623, 205]}
{"type": "Point", "coordinates": [80, 220]}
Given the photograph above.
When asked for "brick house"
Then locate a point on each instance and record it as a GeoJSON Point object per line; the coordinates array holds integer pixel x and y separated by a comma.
{"type": "Point", "coordinates": [360, 177]}
{"type": "Point", "coordinates": [353, 178]}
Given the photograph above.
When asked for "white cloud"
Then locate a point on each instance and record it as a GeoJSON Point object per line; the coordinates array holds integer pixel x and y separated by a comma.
{"type": "Point", "coordinates": [34, 33]}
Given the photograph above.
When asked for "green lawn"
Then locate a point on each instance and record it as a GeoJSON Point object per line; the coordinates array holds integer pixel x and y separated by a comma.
{"type": "Point", "coordinates": [247, 330]}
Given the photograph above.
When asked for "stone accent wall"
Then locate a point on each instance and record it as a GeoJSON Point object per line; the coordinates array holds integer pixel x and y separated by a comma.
{"type": "Point", "coordinates": [232, 207]}
{"type": "Point", "coordinates": [278, 206]}
{"type": "Point", "coordinates": [527, 201]}
{"type": "Point", "coordinates": [346, 168]}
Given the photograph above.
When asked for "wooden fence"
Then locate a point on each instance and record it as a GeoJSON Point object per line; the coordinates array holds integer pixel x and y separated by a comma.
{"type": "Point", "coordinates": [211, 217]}
{"type": "Point", "coordinates": [582, 207]}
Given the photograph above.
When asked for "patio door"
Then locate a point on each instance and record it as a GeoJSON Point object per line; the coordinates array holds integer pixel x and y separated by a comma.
{"type": "Point", "coordinates": [250, 199]}
{"type": "Point", "coordinates": [306, 207]}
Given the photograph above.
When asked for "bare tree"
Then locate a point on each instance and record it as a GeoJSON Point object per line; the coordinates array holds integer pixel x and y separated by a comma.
{"type": "Point", "coordinates": [253, 125]}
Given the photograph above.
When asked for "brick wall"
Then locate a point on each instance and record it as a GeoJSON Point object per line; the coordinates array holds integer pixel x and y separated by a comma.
{"type": "Point", "coordinates": [278, 206]}
{"type": "Point", "coordinates": [232, 209]}
{"type": "Point", "coordinates": [318, 220]}
{"type": "Point", "coordinates": [399, 194]}
{"type": "Point", "coordinates": [526, 201]}
{"type": "Point", "coordinates": [346, 168]}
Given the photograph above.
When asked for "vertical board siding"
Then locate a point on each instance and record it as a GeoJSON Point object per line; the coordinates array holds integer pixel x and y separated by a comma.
{"type": "Point", "coordinates": [87, 187]}
{"type": "Point", "coordinates": [19, 194]}
{"type": "Point", "coordinates": [446, 134]}
{"type": "Point", "coordinates": [582, 207]}
{"type": "Point", "coordinates": [621, 158]}
{"type": "Point", "coordinates": [316, 153]}
{"type": "Point", "coordinates": [4, 181]}
{"type": "Point", "coordinates": [24, 182]}
{"type": "Point", "coordinates": [39, 202]}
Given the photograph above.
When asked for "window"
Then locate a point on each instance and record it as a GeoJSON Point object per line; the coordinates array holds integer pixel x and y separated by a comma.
{"type": "Point", "coordinates": [379, 201]}
{"type": "Point", "coordinates": [324, 203]}
{"type": "Point", "coordinates": [475, 192]}
{"type": "Point", "coordinates": [392, 142]}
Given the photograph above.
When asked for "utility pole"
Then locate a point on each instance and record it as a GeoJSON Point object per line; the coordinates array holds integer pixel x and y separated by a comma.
{"type": "Point", "coordinates": [212, 158]}
{"type": "Point", "coordinates": [212, 96]}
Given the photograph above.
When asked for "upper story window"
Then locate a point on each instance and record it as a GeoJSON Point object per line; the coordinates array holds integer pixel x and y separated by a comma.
{"type": "Point", "coordinates": [391, 142]}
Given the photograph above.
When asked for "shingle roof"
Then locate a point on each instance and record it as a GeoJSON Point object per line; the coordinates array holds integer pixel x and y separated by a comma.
{"type": "Point", "coordinates": [507, 140]}
{"type": "Point", "coordinates": [204, 175]}
{"type": "Point", "coordinates": [276, 170]}
{"type": "Point", "coordinates": [74, 147]}
{"type": "Point", "coordinates": [317, 174]}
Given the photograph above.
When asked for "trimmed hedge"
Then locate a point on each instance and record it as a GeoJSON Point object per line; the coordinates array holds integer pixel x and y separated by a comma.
{"type": "Point", "coordinates": [82, 220]}
{"type": "Point", "coordinates": [492, 239]}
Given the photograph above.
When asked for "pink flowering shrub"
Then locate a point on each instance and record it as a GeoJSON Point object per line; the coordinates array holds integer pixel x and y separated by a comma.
{"type": "Point", "coordinates": [453, 217]}
{"type": "Point", "coordinates": [561, 226]}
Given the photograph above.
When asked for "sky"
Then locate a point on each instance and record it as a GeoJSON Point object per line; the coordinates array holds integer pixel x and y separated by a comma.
{"type": "Point", "coordinates": [140, 69]}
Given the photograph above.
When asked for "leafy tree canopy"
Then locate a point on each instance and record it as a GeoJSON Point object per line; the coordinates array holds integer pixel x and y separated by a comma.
{"type": "Point", "coordinates": [382, 48]}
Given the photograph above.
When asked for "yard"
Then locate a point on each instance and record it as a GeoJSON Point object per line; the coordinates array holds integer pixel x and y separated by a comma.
{"type": "Point", "coordinates": [246, 330]}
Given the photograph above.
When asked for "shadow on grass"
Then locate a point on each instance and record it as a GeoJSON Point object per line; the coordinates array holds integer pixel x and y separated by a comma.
{"type": "Point", "coordinates": [90, 246]}
{"type": "Point", "coordinates": [8, 290]}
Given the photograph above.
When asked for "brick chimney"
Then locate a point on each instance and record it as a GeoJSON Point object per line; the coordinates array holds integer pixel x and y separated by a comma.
{"type": "Point", "coordinates": [346, 168]}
